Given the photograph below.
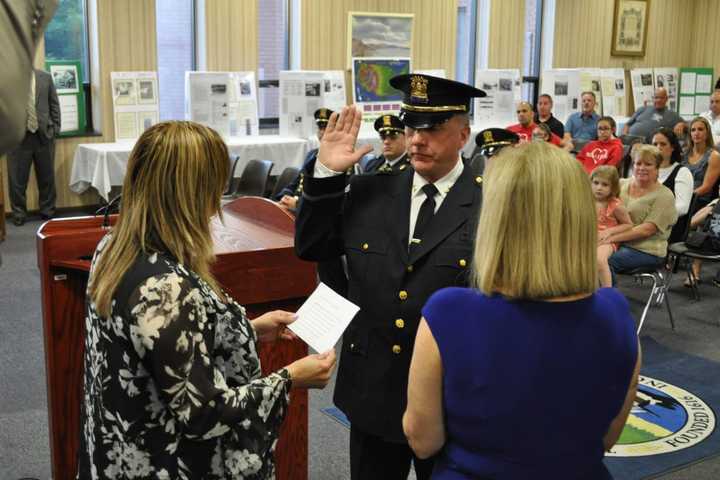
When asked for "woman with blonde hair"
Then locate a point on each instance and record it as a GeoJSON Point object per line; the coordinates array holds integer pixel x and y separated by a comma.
{"type": "Point", "coordinates": [535, 322]}
{"type": "Point", "coordinates": [651, 206]}
{"type": "Point", "coordinates": [173, 386]}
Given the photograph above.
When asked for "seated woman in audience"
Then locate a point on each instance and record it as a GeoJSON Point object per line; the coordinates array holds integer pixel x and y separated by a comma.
{"type": "Point", "coordinates": [173, 386]}
{"type": "Point", "coordinates": [707, 219]}
{"type": "Point", "coordinates": [535, 323]}
{"type": "Point", "coordinates": [612, 217]}
{"type": "Point", "coordinates": [651, 206]}
{"type": "Point", "coordinates": [606, 150]}
{"type": "Point", "coordinates": [676, 177]}
{"type": "Point", "coordinates": [703, 161]}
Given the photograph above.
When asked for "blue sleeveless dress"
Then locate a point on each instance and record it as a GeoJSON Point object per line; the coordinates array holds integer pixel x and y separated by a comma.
{"type": "Point", "coordinates": [530, 387]}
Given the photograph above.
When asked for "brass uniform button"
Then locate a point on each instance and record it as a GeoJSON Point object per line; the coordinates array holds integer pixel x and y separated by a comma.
{"type": "Point", "coordinates": [409, 268]}
{"type": "Point", "coordinates": [396, 349]}
{"type": "Point", "coordinates": [402, 295]}
{"type": "Point", "coordinates": [462, 262]}
{"type": "Point", "coordinates": [400, 323]}
{"type": "Point", "coordinates": [478, 180]}
{"type": "Point", "coordinates": [365, 246]}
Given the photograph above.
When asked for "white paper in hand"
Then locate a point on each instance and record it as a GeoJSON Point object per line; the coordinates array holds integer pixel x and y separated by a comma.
{"type": "Point", "coordinates": [323, 318]}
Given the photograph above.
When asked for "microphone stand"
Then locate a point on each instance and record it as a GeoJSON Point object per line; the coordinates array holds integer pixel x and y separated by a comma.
{"type": "Point", "coordinates": [105, 210]}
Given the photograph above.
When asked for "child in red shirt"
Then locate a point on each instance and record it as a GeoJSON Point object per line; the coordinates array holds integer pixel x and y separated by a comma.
{"type": "Point", "coordinates": [606, 150]}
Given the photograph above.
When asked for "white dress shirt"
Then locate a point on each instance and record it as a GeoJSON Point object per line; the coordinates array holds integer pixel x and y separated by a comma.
{"type": "Point", "coordinates": [683, 187]}
{"type": "Point", "coordinates": [714, 125]}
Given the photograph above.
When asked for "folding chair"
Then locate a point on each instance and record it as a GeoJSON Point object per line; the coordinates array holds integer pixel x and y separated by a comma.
{"type": "Point", "coordinates": [253, 180]}
{"type": "Point", "coordinates": [232, 182]}
{"type": "Point", "coordinates": [658, 293]}
{"type": "Point", "coordinates": [287, 176]}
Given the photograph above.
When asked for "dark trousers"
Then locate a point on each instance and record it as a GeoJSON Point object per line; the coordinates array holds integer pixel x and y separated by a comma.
{"type": "Point", "coordinates": [372, 458]}
{"type": "Point", "coordinates": [38, 150]}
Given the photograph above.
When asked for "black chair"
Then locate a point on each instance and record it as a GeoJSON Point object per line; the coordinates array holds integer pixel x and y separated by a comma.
{"type": "Point", "coordinates": [681, 251]}
{"type": "Point", "coordinates": [287, 176]}
{"type": "Point", "coordinates": [631, 139]}
{"type": "Point", "coordinates": [232, 182]}
{"type": "Point", "coordinates": [625, 162]}
{"type": "Point", "coordinates": [253, 180]}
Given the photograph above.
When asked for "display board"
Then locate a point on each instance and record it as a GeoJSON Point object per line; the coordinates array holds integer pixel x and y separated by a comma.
{"type": "Point", "coordinates": [614, 92]}
{"type": "Point", "coordinates": [503, 94]}
{"type": "Point", "coordinates": [643, 86]}
{"type": "Point", "coordinates": [563, 85]}
{"type": "Point", "coordinates": [67, 77]}
{"type": "Point", "coordinates": [696, 86]}
{"type": "Point", "coordinates": [371, 87]}
{"type": "Point", "coordinates": [135, 103]}
{"type": "Point", "coordinates": [302, 93]}
{"type": "Point", "coordinates": [224, 101]}
{"type": "Point", "coordinates": [668, 79]}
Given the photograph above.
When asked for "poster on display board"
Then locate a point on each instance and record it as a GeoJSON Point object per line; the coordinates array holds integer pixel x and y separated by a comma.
{"type": "Point", "coordinates": [564, 86]}
{"type": "Point", "coordinates": [503, 94]}
{"type": "Point", "coordinates": [371, 87]}
{"type": "Point", "coordinates": [135, 103]}
{"type": "Point", "coordinates": [67, 78]}
{"type": "Point", "coordinates": [302, 93]}
{"type": "Point", "coordinates": [590, 81]}
{"type": "Point", "coordinates": [614, 94]}
{"type": "Point", "coordinates": [224, 101]}
{"type": "Point", "coordinates": [668, 79]}
{"type": "Point", "coordinates": [643, 86]}
{"type": "Point", "coordinates": [696, 86]}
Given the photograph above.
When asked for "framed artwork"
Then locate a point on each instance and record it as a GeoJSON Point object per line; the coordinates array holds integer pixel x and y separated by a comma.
{"type": "Point", "coordinates": [630, 27]}
{"type": "Point", "coordinates": [379, 35]}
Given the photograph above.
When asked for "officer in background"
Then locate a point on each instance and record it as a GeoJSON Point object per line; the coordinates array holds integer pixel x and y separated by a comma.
{"type": "Point", "coordinates": [405, 235]}
{"type": "Point", "coordinates": [289, 196]}
{"type": "Point", "coordinates": [488, 143]}
{"type": "Point", "coordinates": [394, 156]}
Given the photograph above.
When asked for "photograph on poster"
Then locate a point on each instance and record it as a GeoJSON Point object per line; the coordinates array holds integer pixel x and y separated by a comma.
{"type": "Point", "coordinates": [312, 89]}
{"type": "Point", "coordinates": [595, 85]}
{"type": "Point", "coordinates": [124, 91]}
{"type": "Point", "coordinates": [561, 88]}
{"type": "Point", "coordinates": [65, 78]}
{"type": "Point", "coordinates": [218, 88]}
{"type": "Point", "coordinates": [146, 91]}
{"type": "Point", "coordinates": [505, 84]}
{"type": "Point", "coordinates": [646, 79]}
{"type": "Point", "coordinates": [371, 79]}
{"type": "Point", "coordinates": [245, 88]}
{"type": "Point", "coordinates": [374, 35]}
{"type": "Point", "coordinates": [619, 84]}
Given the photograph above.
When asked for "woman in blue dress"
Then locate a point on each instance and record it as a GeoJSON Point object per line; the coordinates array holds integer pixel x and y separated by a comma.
{"type": "Point", "coordinates": [532, 373]}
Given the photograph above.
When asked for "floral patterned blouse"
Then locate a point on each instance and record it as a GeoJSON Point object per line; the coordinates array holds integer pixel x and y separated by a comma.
{"type": "Point", "coordinates": [173, 387]}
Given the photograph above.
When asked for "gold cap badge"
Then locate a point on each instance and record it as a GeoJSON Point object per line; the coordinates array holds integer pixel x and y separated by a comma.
{"type": "Point", "coordinates": [488, 137]}
{"type": "Point", "coordinates": [386, 121]}
{"type": "Point", "coordinates": [418, 89]}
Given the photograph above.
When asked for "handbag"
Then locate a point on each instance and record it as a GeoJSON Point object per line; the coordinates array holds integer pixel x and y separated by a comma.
{"type": "Point", "coordinates": [699, 241]}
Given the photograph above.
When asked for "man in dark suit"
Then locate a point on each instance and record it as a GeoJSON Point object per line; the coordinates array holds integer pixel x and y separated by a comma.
{"type": "Point", "coordinates": [406, 235]}
{"type": "Point", "coordinates": [43, 123]}
{"type": "Point", "coordinates": [394, 150]}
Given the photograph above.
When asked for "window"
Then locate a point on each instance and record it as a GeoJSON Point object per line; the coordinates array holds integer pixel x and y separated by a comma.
{"type": "Point", "coordinates": [272, 57]}
{"type": "Point", "coordinates": [175, 54]}
{"type": "Point", "coordinates": [66, 36]}
{"type": "Point", "coordinates": [531, 51]}
{"type": "Point", "coordinates": [465, 43]}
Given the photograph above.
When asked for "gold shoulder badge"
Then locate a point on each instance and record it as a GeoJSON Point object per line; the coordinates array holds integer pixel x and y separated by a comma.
{"type": "Point", "coordinates": [487, 136]}
{"type": "Point", "coordinates": [418, 89]}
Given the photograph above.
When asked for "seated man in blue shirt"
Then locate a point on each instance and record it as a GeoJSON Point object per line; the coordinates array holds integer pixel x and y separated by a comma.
{"type": "Point", "coordinates": [582, 125]}
{"type": "Point", "coordinates": [647, 119]}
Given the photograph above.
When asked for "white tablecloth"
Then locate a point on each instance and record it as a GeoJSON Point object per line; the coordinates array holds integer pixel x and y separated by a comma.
{"type": "Point", "coordinates": [103, 165]}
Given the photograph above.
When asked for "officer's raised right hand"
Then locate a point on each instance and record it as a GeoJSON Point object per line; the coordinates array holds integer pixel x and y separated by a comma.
{"type": "Point", "coordinates": [337, 148]}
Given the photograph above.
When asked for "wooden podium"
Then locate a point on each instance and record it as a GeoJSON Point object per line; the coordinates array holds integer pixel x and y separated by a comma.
{"type": "Point", "coordinates": [255, 263]}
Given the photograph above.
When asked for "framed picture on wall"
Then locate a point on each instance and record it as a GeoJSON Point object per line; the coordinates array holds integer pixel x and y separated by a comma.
{"type": "Point", "coordinates": [379, 35]}
{"type": "Point", "coordinates": [630, 27]}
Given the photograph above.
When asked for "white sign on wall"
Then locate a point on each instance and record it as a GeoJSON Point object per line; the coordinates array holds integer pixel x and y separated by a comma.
{"type": "Point", "coordinates": [135, 103]}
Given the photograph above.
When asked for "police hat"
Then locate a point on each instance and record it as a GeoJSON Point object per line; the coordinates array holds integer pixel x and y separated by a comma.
{"type": "Point", "coordinates": [492, 140]}
{"type": "Point", "coordinates": [322, 115]}
{"type": "Point", "coordinates": [389, 123]}
{"type": "Point", "coordinates": [432, 100]}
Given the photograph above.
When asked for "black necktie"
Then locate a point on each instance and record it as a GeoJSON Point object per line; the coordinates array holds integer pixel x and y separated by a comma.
{"type": "Point", "coordinates": [427, 210]}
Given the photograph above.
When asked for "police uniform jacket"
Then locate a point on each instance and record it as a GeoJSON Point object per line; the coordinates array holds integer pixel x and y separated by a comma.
{"type": "Point", "coordinates": [369, 224]}
{"type": "Point", "coordinates": [376, 164]}
{"type": "Point", "coordinates": [295, 187]}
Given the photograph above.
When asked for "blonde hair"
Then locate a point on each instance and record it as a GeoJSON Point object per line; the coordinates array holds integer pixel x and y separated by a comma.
{"type": "Point", "coordinates": [610, 175]}
{"type": "Point", "coordinates": [175, 177]}
{"type": "Point", "coordinates": [522, 253]}
{"type": "Point", "coordinates": [647, 152]}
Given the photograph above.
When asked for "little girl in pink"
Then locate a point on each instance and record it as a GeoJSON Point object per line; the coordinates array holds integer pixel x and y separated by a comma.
{"type": "Point", "coordinates": [612, 216]}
